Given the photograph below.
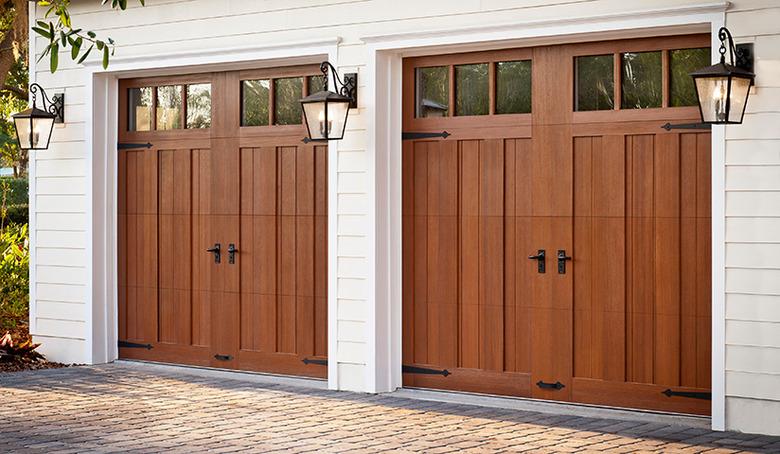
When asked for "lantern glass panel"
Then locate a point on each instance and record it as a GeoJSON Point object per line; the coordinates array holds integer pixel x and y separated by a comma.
{"type": "Point", "coordinates": [739, 93]}
{"type": "Point", "coordinates": [322, 126]}
{"type": "Point", "coordinates": [713, 95]}
{"type": "Point", "coordinates": [23, 126]}
{"type": "Point", "coordinates": [313, 112]}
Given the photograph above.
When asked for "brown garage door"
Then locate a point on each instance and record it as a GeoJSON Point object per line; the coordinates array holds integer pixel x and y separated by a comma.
{"type": "Point", "coordinates": [559, 149]}
{"type": "Point", "coordinates": [225, 167]}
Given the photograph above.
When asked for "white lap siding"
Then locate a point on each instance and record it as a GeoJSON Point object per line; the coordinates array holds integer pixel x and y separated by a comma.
{"type": "Point", "coordinates": [753, 232]}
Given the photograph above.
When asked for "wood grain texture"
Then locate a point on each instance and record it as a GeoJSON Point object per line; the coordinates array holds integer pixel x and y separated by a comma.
{"type": "Point", "coordinates": [627, 200]}
{"type": "Point", "coordinates": [196, 188]}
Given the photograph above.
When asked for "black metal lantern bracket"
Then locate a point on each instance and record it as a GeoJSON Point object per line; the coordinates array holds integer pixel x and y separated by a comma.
{"type": "Point", "coordinates": [740, 55]}
{"type": "Point", "coordinates": [348, 87]}
{"type": "Point", "coordinates": [55, 105]}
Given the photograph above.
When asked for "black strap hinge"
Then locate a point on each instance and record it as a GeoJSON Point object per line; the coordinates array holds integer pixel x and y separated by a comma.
{"type": "Point", "coordinates": [424, 370]}
{"type": "Point", "coordinates": [319, 362]}
{"type": "Point", "coordinates": [424, 135]}
{"type": "Point", "coordinates": [132, 146]}
{"type": "Point", "coordinates": [126, 344]}
{"type": "Point", "coordinates": [691, 394]}
{"type": "Point", "coordinates": [669, 126]}
{"type": "Point", "coordinates": [546, 385]}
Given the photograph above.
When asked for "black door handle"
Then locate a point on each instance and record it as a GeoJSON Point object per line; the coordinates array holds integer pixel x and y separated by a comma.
{"type": "Point", "coordinates": [232, 253]}
{"type": "Point", "coordinates": [541, 258]}
{"type": "Point", "coordinates": [562, 259]}
{"type": "Point", "coordinates": [217, 250]}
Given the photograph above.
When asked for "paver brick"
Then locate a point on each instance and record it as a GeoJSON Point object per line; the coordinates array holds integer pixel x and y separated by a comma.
{"type": "Point", "coordinates": [124, 408]}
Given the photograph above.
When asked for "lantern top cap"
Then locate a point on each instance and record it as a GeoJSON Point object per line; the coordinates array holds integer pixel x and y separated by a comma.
{"type": "Point", "coordinates": [34, 112]}
{"type": "Point", "coordinates": [723, 69]}
{"type": "Point", "coordinates": [329, 96]}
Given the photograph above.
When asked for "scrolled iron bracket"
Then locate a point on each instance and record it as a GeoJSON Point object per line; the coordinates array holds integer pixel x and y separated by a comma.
{"type": "Point", "coordinates": [54, 106]}
{"type": "Point", "coordinates": [347, 87]}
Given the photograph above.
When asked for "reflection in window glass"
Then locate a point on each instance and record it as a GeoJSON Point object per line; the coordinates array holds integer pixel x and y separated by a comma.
{"type": "Point", "coordinates": [316, 83]}
{"type": "Point", "coordinates": [681, 63]}
{"type": "Point", "coordinates": [287, 95]}
{"type": "Point", "coordinates": [199, 106]}
{"type": "Point", "coordinates": [254, 102]}
{"type": "Point", "coordinates": [642, 85]}
{"type": "Point", "coordinates": [513, 87]}
{"type": "Point", "coordinates": [471, 90]}
{"type": "Point", "coordinates": [432, 91]}
{"type": "Point", "coordinates": [139, 112]}
{"type": "Point", "coordinates": [169, 107]}
{"type": "Point", "coordinates": [595, 85]}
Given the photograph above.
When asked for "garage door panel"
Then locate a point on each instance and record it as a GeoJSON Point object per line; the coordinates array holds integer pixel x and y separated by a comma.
{"type": "Point", "coordinates": [629, 316]}
{"type": "Point", "coordinates": [265, 306]}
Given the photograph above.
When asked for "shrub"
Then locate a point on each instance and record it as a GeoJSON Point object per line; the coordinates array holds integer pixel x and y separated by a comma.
{"type": "Point", "coordinates": [14, 274]}
{"type": "Point", "coordinates": [17, 214]}
{"type": "Point", "coordinates": [18, 193]}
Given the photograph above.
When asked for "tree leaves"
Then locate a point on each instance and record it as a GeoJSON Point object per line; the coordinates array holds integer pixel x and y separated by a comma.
{"type": "Point", "coordinates": [61, 34]}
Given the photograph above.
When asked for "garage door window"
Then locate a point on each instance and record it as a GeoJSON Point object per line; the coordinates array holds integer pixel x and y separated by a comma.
{"type": "Point", "coordinates": [472, 90]}
{"type": "Point", "coordinates": [198, 106]}
{"type": "Point", "coordinates": [641, 80]}
{"type": "Point", "coordinates": [513, 87]}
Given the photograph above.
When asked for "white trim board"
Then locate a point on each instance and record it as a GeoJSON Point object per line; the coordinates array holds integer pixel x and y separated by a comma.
{"type": "Point", "coordinates": [383, 100]}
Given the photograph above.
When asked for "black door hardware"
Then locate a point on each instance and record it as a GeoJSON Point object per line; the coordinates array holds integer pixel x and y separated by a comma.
{"type": "Point", "coordinates": [132, 146]}
{"type": "Point", "coordinates": [540, 256]}
{"type": "Point", "coordinates": [544, 385]}
{"type": "Point", "coordinates": [232, 253]}
{"type": "Point", "coordinates": [319, 362]}
{"type": "Point", "coordinates": [223, 357]}
{"type": "Point", "coordinates": [424, 370]}
{"type": "Point", "coordinates": [217, 250]}
{"type": "Point", "coordinates": [126, 344]}
{"type": "Point", "coordinates": [669, 126]}
{"type": "Point", "coordinates": [562, 259]}
{"type": "Point", "coordinates": [424, 135]}
{"type": "Point", "coordinates": [691, 394]}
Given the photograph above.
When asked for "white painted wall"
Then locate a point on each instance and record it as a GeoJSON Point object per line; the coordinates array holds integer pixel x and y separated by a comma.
{"type": "Point", "coordinates": [753, 231]}
{"type": "Point", "coordinates": [63, 292]}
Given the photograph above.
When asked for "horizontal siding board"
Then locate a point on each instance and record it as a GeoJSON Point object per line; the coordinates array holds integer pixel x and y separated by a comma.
{"type": "Point", "coordinates": [753, 359]}
{"type": "Point", "coordinates": [751, 385]}
{"type": "Point", "coordinates": [753, 152]}
{"type": "Point", "coordinates": [753, 255]}
{"type": "Point", "coordinates": [753, 230]}
{"type": "Point", "coordinates": [61, 221]}
{"type": "Point", "coordinates": [61, 256]}
{"type": "Point", "coordinates": [60, 292]}
{"type": "Point", "coordinates": [746, 178]}
{"type": "Point", "coordinates": [753, 307]}
{"type": "Point", "coordinates": [753, 203]}
{"type": "Point", "coordinates": [71, 329]}
{"type": "Point", "coordinates": [753, 281]}
{"type": "Point", "coordinates": [60, 310]}
{"type": "Point", "coordinates": [760, 334]}
{"type": "Point", "coordinates": [352, 309]}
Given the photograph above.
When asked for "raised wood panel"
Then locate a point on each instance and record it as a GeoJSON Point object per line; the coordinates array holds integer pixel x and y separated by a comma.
{"type": "Point", "coordinates": [642, 271]}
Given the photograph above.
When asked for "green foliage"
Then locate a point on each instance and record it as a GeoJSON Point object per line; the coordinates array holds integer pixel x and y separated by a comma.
{"type": "Point", "coordinates": [61, 34]}
{"type": "Point", "coordinates": [14, 274]}
{"type": "Point", "coordinates": [17, 190]}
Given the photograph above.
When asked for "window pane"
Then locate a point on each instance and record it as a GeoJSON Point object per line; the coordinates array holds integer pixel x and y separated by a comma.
{"type": "Point", "coordinates": [595, 83]}
{"type": "Point", "coordinates": [199, 106]}
{"type": "Point", "coordinates": [513, 87]}
{"type": "Point", "coordinates": [432, 91]}
{"type": "Point", "coordinates": [169, 107]}
{"type": "Point", "coordinates": [316, 83]}
{"type": "Point", "coordinates": [254, 102]}
{"type": "Point", "coordinates": [471, 90]}
{"type": "Point", "coordinates": [681, 63]}
{"type": "Point", "coordinates": [642, 75]}
{"type": "Point", "coordinates": [139, 110]}
{"type": "Point", "coordinates": [287, 96]}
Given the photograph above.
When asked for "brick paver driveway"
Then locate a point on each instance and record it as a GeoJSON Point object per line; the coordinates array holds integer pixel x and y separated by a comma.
{"type": "Point", "coordinates": [121, 408]}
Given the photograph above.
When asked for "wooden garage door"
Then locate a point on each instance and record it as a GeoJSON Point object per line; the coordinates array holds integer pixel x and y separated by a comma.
{"type": "Point", "coordinates": [560, 149]}
{"type": "Point", "coordinates": [225, 166]}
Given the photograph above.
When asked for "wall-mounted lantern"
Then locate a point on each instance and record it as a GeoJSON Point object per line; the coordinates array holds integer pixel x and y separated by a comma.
{"type": "Point", "coordinates": [325, 112]}
{"type": "Point", "coordinates": [722, 89]}
{"type": "Point", "coordinates": [34, 126]}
